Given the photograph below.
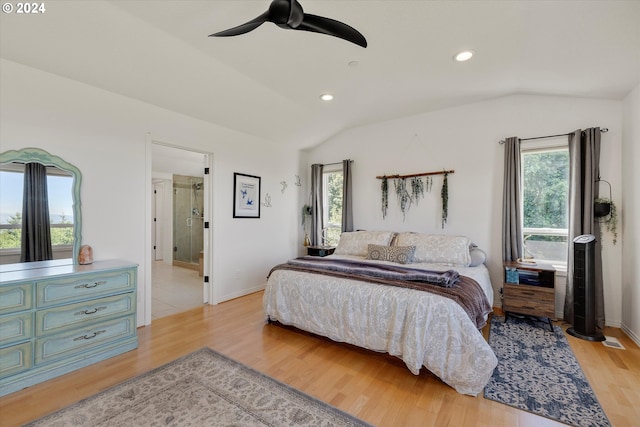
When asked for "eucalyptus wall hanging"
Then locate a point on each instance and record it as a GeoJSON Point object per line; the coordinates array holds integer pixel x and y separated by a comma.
{"type": "Point", "coordinates": [411, 192]}
{"type": "Point", "coordinates": [404, 198]}
{"type": "Point", "coordinates": [417, 188]}
{"type": "Point", "coordinates": [444, 194]}
{"type": "Point", "coordinates": [384, 186]}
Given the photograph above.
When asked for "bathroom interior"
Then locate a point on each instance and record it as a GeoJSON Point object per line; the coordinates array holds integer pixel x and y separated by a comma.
{"type": "Point", "coordinates": [188, 221]}
{"type": "Point", "coordinates": [178, 283]}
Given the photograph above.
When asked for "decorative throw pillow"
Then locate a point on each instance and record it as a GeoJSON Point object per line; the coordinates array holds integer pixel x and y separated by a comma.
{"type": "Point", "coordinates": [437, 248]}
{"type": "Point", "coordinates": [356, 242]}
{"type": "Point", "coordinates": [399, 254]}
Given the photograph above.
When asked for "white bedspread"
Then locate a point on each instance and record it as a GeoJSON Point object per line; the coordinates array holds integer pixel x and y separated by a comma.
{"type": "Point", "coordinates": [421, 328]}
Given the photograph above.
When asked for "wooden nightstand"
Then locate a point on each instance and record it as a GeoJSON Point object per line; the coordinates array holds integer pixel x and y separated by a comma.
{"type": "Point", "coordinates": [531, 292]}
{"type": "Point", "coordinates": [320, 250]}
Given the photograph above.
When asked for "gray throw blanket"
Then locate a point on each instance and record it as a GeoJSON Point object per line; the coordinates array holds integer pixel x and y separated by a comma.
{"type": "Point", "coordinates": [445, 279]}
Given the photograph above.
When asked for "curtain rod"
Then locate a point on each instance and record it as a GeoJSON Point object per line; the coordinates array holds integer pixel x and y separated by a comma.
{"type": "Point", "coordinates": [502, 141]}
{"type": "Point", "coordinates": [336, 163]}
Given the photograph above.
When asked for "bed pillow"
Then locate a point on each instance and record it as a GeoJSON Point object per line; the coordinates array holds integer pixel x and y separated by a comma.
{"type": "Point", "coordinates": [437, 248]}
{"type": "Point", "coordinates": [477, 256]}
{"type": "Point", "coordinates": [399, 254]}
{"type": "Point", "coordinates": [357, 242]}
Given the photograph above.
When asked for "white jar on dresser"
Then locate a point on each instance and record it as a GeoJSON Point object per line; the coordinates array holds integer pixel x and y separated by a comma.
{"type": "Point", "coordinates": [56, 317]}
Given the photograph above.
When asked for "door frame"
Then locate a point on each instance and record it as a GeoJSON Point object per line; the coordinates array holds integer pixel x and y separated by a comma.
{"type": "Point", "coordinates": [145, 293]}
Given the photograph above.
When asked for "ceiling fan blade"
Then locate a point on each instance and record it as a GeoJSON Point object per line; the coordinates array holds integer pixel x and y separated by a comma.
{"type": "Point", "coordinates": [244, 28]}
{"type": "Point", "coordinates": [320, 24]}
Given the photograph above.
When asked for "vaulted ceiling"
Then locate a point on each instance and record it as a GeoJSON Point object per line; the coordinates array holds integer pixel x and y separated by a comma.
{"type": "Point", "coordinates": [268, 82]}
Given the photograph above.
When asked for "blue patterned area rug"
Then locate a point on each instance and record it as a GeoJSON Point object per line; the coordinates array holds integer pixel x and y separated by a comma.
{"type": "Point", "coordinates": [538, 372]}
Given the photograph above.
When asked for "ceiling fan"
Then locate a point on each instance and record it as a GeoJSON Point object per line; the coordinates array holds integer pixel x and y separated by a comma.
{"type": "Point", "coordinates": [288, 14]}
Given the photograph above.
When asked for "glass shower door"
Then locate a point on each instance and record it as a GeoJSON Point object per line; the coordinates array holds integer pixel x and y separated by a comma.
{"type": "Point", "coordinates": [188, 220]}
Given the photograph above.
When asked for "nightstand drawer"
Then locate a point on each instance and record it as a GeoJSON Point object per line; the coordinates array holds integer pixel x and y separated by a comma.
{"type": "Point", "coordinates": [16, 359]}
{"type": "Point", "coordinates": [72, 289]}
{"type": "Point", "coordinates": [531, 300]}
{"type": "Point", "coordinates": [68, 316]}
{"type": "Point", "coordinates": [529, 292]}
{"type": "Point", "coordinates": [16, 298]}
{"type": "Point", "coordinates": [16, 327]}
{"type": "Point", "coordinates": [72, 343]}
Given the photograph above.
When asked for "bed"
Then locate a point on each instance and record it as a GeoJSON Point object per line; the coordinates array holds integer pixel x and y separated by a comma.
{"type": "Point", "coordinates": [420, 297]}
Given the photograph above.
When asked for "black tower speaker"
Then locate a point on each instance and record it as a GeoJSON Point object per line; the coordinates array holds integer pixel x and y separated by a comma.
{"type": "Point", "coordinates": [584, 291]}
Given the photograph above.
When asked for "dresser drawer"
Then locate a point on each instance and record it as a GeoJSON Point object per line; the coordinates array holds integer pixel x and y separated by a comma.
{"type": "Point", "coordinates": [71, 316]}
{"type": "Point", "coordinates": [81, 340]}
{"type": "Point", "coordinates": [16, 359]}
{"type": "Point", "coordinates": [16, 327]}
{"type": "Point", "coordinates": [16, 298]}
{"type": "Point", "coordinates": [83, 287]}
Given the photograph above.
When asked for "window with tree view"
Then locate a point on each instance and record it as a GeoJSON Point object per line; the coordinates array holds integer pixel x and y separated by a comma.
{"type": "Point", "coordinates": [59, 186]}
{"type": "Point", "coordinates": [545, 195]}
{"type": "Point", "coordinates": [332, 189]}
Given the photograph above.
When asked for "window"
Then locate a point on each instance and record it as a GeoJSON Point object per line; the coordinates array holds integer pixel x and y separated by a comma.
{"type": "Point", "coordinates": [59, 185]}
{"type": "Point", "coordinates": [332, 202]}
{"type": "Point", "coordinates": [545, 198]}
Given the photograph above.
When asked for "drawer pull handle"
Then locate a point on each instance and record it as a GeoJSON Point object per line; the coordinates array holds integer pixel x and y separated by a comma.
{"type": "Point", "coordinates": [88, 337]}
{"type": "Point", "coordinates": [531, 294]}
{"type": "Point", "coordinates": [95, 310]}
{"type": "Point", "coordinates": [91, 285]}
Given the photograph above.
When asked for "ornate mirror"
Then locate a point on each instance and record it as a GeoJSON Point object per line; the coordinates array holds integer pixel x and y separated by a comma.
{"type": "Point", "coordinates": [62, 188]}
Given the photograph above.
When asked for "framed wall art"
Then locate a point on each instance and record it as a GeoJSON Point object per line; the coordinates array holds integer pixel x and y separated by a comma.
{"type": "Point", "coordinates": [246, 196]}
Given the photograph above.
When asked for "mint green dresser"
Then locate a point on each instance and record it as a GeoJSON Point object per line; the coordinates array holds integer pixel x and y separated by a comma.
{"type": "Point", "coordinates": [57, 317]}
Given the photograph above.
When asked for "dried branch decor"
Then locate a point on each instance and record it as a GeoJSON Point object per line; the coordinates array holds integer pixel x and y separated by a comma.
{"type": "Point", "coordinates": [418, 188]}
{"type": "Point", "coordinates": [444, 193]}
{"type": "Point", "coordinates": [404, 198]}
{"type": "Point", "coordinates": [385, 196]}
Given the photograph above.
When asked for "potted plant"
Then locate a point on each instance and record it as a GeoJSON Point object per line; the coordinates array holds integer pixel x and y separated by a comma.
{"type": "Point", "coordinates": [605, 209]}
{"type": "Point", "coordinates": [601, 207]}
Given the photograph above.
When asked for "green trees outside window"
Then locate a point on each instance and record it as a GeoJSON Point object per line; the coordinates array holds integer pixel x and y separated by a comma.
{"type": "Point", "coordinates": [545, 195]}
{"type": "Point", "coordinates": [333, 206]}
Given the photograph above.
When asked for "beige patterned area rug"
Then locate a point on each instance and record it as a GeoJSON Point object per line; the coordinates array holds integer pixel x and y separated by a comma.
{"type": "Point", "coordinates": [203, 388]}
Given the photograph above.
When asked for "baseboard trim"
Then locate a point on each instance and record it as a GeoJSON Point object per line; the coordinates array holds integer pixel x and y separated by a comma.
{"type": "Point", "coordinates": [242, 293]}
{"type": "Point", "coordinates": [634, 337]}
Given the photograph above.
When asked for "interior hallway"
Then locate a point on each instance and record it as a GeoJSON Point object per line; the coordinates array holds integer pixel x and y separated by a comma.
{"type": "Point", "coordinates": [174, 289]}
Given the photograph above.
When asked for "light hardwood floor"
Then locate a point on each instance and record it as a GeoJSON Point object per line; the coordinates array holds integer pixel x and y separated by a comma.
{"type": "Point", "coordinates": [374, 387]}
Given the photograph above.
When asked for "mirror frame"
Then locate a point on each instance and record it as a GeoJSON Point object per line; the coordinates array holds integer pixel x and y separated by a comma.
{"type": "Point", "coordinates": [31, 154]}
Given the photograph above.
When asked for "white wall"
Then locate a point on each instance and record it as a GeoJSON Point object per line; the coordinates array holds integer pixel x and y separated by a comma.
{"type": "Point", "coordinates": [631, 212]}
{"type": "Point", "coordinates": [103, 134]}
{"type": "Point", "coordinates": [465, 139]}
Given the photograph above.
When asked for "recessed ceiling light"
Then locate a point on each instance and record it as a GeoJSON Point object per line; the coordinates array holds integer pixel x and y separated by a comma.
{"type": "Point", "coordinates": [326, 97]}
{"type": "Point", "coordinates": [465, 55]}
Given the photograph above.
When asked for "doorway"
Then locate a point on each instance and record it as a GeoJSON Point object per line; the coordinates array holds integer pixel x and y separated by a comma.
{"type": "Point", "coordinates": [180, 241]}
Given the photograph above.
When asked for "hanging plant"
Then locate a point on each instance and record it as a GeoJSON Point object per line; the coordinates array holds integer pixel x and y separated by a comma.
{"type": "Point", "coordinates": [404, 198]}
{"type": "Point", "coordinates": [609, 219]}
{"type": "Point", "coordinates": [417, 189]}
{"type": "Point", "coordinates": [385, 196]}
{"type": "Point", "coordinates": [444, 194]}
{"type": "Point", "coordinates": [429, 184]}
